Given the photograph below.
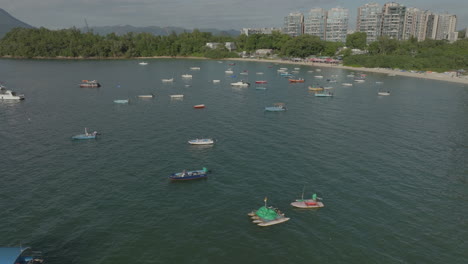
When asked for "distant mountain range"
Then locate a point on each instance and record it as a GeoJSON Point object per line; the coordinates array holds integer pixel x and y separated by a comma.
{"type": "Point", "coordinates": [159, 31]}
{"type": "Point", "coordinates": [8, 22]}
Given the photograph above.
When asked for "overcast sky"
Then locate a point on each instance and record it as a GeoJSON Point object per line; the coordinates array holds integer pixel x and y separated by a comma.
{"type": "Point", "coordinates": [220, 14]}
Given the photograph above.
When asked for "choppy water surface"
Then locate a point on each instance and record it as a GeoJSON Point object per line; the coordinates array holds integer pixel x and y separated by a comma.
{"type": "Point", "coordinates": [392, 170]}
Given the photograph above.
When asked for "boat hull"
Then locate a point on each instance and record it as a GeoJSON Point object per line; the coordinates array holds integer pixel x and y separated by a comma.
{"type": "Point", "coordinates": [307, 204]}
{"type": "Point", "coordinates": [83, 136]}
{"type": "Point", "coordinates": [199, 106]}
{"type": "Point", "coordinates": [274, 222]}
{"type": "Point", "coordinates": [189, 175]}
{"type": "Point", "coordinates": [201, 142]}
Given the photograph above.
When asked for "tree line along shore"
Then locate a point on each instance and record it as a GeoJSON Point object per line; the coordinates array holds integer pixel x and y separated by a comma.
{"type": "Point", "coordinates": [428, 55]}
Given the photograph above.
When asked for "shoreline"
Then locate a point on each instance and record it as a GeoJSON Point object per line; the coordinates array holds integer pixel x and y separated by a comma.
{"type": "Point", "coordinates": [425, 75]}
{"type": "Point", "coordinates": [430, 76]}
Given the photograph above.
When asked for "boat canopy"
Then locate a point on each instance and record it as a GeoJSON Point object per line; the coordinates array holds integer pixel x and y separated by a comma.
{"type": "Point", "coordinates": [266, 213]}
{"type": "Point", "coordinates": [11, 255]}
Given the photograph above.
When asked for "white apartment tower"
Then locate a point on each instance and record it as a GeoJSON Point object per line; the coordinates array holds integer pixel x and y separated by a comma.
{"type": "Point", "coordinates": [393, 20]}
{"type": "Point", "coordinates": [294, 24]}
{"type": "Point", "coordinates": [369, 20]}
{"type": "Point", "coordinates": [446, 27]}
{"type": "Point", "coordinates": [315, 23]}
{"type": "Point", "coordinates": [337, 25]}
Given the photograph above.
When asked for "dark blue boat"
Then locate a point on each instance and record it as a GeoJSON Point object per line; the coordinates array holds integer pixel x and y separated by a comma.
{"type": "Point", "coordinates": [189, 175]}
{"type": "Point", "coordinates": [19, 255]}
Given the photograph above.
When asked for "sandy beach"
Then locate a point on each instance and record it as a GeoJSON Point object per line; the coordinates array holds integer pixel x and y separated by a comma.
{"type": "Point", "coordinates": [426, 75]}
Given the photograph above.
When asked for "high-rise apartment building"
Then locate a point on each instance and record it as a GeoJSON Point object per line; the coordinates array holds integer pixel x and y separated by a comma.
{"type": "Point", "coordinates": [294, 24]}
{"type": "Point", "coordinates": [337, 25]}
{"type": "Point", "coordinates": [393, 20]}
{"type": "Point", "coordinates": [315, 23]}
{"type": "Point", "coordinates": [369, 20]}
{"type": "Point", "coordinates": [446, 26]}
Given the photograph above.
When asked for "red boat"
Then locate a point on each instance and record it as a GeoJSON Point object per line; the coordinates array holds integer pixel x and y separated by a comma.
{"type": "Point", "coordinates": [199, 106]}
{"type": "Point", "coordinates": [300, 80]}
{"type": "Point", "coordinates": [260, 81]}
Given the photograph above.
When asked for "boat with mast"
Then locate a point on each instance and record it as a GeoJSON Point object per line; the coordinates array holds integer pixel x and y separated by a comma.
{"type": "Point", "coordinates": [267, 216]}
{"type": "Point", "coordinates": [308, 203]}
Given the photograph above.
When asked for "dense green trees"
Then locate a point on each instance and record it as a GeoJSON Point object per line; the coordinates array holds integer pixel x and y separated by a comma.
{"type": "Point", "coordinates": [436, 55]}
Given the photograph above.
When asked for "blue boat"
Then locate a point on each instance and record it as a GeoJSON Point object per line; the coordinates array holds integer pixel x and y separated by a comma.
{"type": "Point", "coordinates": [86, 135]}
{"type": "Point", "coordinates": [278, 107]}
{"type": "Point", "coordinates": [19, 255]}
{"type": "Point", "coordinates": [189, 175]}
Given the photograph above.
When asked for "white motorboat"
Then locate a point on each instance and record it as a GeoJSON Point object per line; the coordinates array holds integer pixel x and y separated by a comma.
{"type": "Point", "coordinates": [384, 93]}
{"type": "Point", "coordinates": [195, 68]}
{"type": "Point", "coordinates": [187, 76]}
{"type": "Point", "coordinates": [177, 96]}
{"type": "Point", "coordinates": [6, 94]}
{"type": "Point", "coordinates": [167, 80]}
{"type": "Point", "coordinates": [201, 141]}
{"type": "Point", "coordinates": [143, 63]}
{"type": "Point", "coordinates": [146, 96]}
{"type": "Point", "coordinates": [229, 71]}
{"type": "Point", "coordinates": [347, 84]}
{"type": "Point", "coordinates": [216, 81]}
{"type": "Point", "coordinates": [241, 84]}
{"type": "Point", "coordinates": [319, 76]}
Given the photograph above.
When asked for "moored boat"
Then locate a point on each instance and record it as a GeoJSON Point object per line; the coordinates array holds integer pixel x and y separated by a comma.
{"type": "Point", "coordinates": [199, 106]}
{"type": "Point", "coordinates": [90, 84]}
{"type": "Point", "coordinates": [311, 88]}
{"type": "Point", "coordinates": [384, 93]}
{"type": "Point", "coordinates": [260, 82]}
{"type": "Point", "coordinates": [324, 94]}
{"type": "Point", "coordinates": [318, 76]}
{"type": "Point", "coordinates": [189, 175]}
{"type": "Point", "coordinates": [122, 101]}
{"type": "Point", "coordinates": [195, 68]}
{"type": "Point", "coordinates": [177, 96]}
{"type": "Point", "coordinates": [187, 76]}
{"type": "Point", "coordinates": [347, 84]}
{"type": "Point", "coordinates": [267, 216]}
{"type": "Point", "coordinates": [167, 80]}
{"type": "Point", "coordinates": [241, 84]}
{"type": "Point", "coordinates": [20, 255]}
{"type": "Point", "coordinates": [277, 107]}
{"type": "Point", "coordinates": [201, 141]}
{"type": "Point", "coordinates": [308, 203]}
{"type": "Point", "coordinates": [146, 96]}
{"type": "Point", "coordinates": [216, 81]}
{"type": "Point", "coordinates": [143, 63]}
{"type": "Point", "coordinates": [86, 135]}
{"type": "Point", "coordinates": [6, 94]}
{"type": "Point", "coordinates": [299, 80]}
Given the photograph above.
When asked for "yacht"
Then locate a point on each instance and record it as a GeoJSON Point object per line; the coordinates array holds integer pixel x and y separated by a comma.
{"type": "Point", "coordinates": [6, 94]}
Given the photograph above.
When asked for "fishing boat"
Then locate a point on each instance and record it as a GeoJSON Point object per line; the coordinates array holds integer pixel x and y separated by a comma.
{"type": "Point", "coordinates": [6, 94]}
{"type": "Point", "coordinates": [311, 88]}
{"type": "Point", "coordinates": [347, 84]}
{"type": "Point", "coordinates": [318, 76]}
{"type": "Point", "coordinates": [90, 84]}
{"type": "Point", "coordinates": [299, 80]}
{"type": "Point", "coordinates": [20, 255]}
{"type": "Point", "coordinates": [267, 216]}
{"type": "Point", "coordinates": [195, 68]}
{"type": "Point", "coordinates": [244, 73]}
{"type": "Point", "coordinates": [167, 80]}
{"type": "Point", "coordinates": [259, 73]}
{"type": "Point", "coordinates": [201, 141]}
{"type": "Point", "coordinates": [122, 101]}
{"type": "Point", "coordinates": [277, 107]}
{"type": "Point", "coordinates": [199, 106]}
{"type": "Point", "coordinates": [216, 81]}
{"type": "Point", "coordinates": [283, 69]}
{"type": "Point", "coordinates": [173, 96]}
{"type": "Point", "coordinates": [260, 88]}
{"type": "Point", "coordinates": [187, 76]}
{"type": "Point", "coordinates": [260, 82]}
{"type": "Point", "coordinates": [286, 74]}
{"type": "Point", "coordinates": [86, 135]}
{"type": "Point", "coordinates": [324, 94]}
{"type": "Point", "coordinates": [241, 84]}
{"type": "Point", "coordinates": [146, 96]}
{"type": "Point", "coordinates": [189, 175]}
{"type": "Point", "coordinates": [308, 203]}
{"type": "Point", "coordinates": [143, 63]}
{"type": "Point", "coordinates": [229, 71]}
